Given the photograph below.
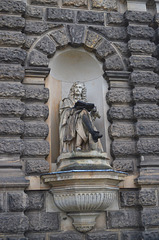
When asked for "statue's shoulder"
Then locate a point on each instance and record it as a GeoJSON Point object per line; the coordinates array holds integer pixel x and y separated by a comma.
{"type": "Point", "coordinates": [65, 102]}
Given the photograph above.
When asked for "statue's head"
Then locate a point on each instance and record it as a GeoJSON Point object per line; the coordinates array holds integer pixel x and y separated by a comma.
{"type": "Point", "coordinates": [78, 89]}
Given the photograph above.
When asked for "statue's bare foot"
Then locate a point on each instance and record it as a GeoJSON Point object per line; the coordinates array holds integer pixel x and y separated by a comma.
{"type": "Point", "coordinates": [96, 135]}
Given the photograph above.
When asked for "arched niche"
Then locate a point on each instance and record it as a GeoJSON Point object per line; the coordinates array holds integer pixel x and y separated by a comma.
{"type": "Point", "coordinates": [66, 67]}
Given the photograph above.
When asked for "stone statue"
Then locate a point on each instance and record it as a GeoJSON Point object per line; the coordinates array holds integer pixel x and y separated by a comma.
{"type": "Point", "coordinates": [77, 131]}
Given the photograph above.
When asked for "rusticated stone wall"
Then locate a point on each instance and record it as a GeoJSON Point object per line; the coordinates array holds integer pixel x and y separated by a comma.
{"type": "Point", "coordinates": [127, 45]}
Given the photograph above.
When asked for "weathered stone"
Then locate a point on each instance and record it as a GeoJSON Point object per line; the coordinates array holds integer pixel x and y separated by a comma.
{"type": "Point", "coordinates": [41, 94]}
{"type": "Point", "coordinates": [44, 222]}
{"type": "Point", "coordinates": [112, 33]}
{"type": "Point", "coordinates": [11, 72]}
{"type": "Point", "coordinates": [11, 22]}
{"type": "Point", "coordinates": [137, 17]}
{"type": "Point", "coordinates": [104, 49]}
{"type": "Point", "coordinates": [115, 18]}
{"type": "Point", "coordinates": [139, 62]}
{"type": "Point", "coordinates": [150, 235]}
{"type": "Point", "coordinates": [92, 40]}
{"type": "Point", "coordinates": [60, 15]}
{"type": "Point", "coordinates": [38, 148]}
{"type": "Point", "coordinates": [35, 27]}
{"type": "Point", "coordinates": [147, 197]}
{"type": "Point", "coordinates": [35, 236]}
{"type": "Point", "coordinates": [36, 111]}
{"type": "Point", "coordinates": [156, 52]}
{"type": "Point", "coordinates": [60, 36]}
{"type": "Point", "coordinates": [110, 5]}
{"type": "Point", "coordinates": [148, 146]}
{"type": "Point", "coordinates": [142, 32]}
{"type": "Point", "coordinates": [46, 46]}
{"type": "Point", "coordinates": [34, 12]}
{"type": "Point", "coordinates": [120, 112]}
{"type": "Point", "coordinates": [1, 202]}
{"type": "Point", "coordinates": [35, 129]}
{"type": "Point", "coordinates": [141, 47]}
{"type": "Point", "coordinates": [11, 38]}
{"type": "Point", "coordinates": [144, 94]}
{"type": "Point", "coordinates": [118, 130]}
{"type": "Point", "coordinates": [144, 78]}
{"type": "Point", "coordinates": [13, 223]}
{"type": "Point", "coordinates": [37, 166]}
{"type": "Point", "coordinates": [16, 238]}
{"type": "Point", "coordinates": [29, 41]}
{"type": "Point", "coordinates": [75, 3]}
{"type": "Point", "coordinates": [129, 198]}
{"type": "Point", "coordinates": [9, 6]}
{"type": "Point", "coordinates": [11, 127]}
{"type": "Point", "coordinates": [102, 235]}
{"type": "Point", "coordinates": [50, 3]}
{"type": "Point", "coordinates": [146, 111]}
{"type": "Point", "coordinates": [66, 235]}
{"type": "Point", "coordinates": [11, 90]}
{"type": "Point", "coordinates": [18, 201]}
{"type": "Point", "coordinates": [12, 55]}
{"type": "Point", "coordinates": [90, 17]}
{"type": "Point", "coordinates": [131, 235]}
{"type": "Point", "coordinates": [124, 148]}
{"type": "Point", "coordinates": [113, 63]}
{"type": "Point", "coordinates": [11, 107]}
{"type": "Point", "coordinates": [38, 59]}
{"type": "Point", "coordinates": [150, 217]}
{"type": "Point", "coordinates": [11, 146]}
{"type": "Point", "coordinates": [36, 200]}
{"type": "Point", "coordinates": [123, 165]}
{"type": "Point", "coordinates": [119, 96]}
{"type": "Point", "coordinates": [122, 47]}
{"type": "Point", "coordinates": [124, 219]}
{"type": "Point", "coordinates": [147, 128]}
{"type": "Point", "coordinates": [76, 34]}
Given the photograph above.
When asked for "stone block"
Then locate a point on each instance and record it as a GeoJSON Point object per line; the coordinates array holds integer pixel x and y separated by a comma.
{"type": "Point", "coordinates": [9, 6]}
{"type": "Point", "coordinates": [13, 223]}
{"type": "Point", "coordinates": [90, 17]}
{"type": "Point", "coordinates": [11, 38]}
{"type": "Point", "coordinates": [29, 41]}
{"type": "Point", "coordinates": [110, 5]}
{"type": "Point", "coordinates": [34, 93]}
{"type": "Point", "coordinates": [35, 129]}
{"type": "Point", "coordinates": [16, 238]}
{"type": "Point", "coordinates": [36, 200]}
{"type": "Point", "coordinates": [60, 15]}
{"type": "Point", "coordinates": [46, 46]}
{"type": "Point", "coordinates": [148, 146]}
{"type": "Point", "coordinates": [104, 49]}
{"type": "Point", "coordinates": [120, 112]}
{"type": "Point", "coordinates": [123, 148]}
{"type": "Point", "coordinates": [1, 202]}
{"type": "Point", "coordinates": [129, 198]}
{"type": "Point", "coordinates": [137, 17]}
{"type": "Point", "coordinates": [112, 33]}
{"type": "Point", "coordinates": [36, 111]}
{"type": "Point", "coordinates": [38, 148]}
{"type": "Point", "coordinates": [119, 96]}
{"type": "Point", "coordinates": [123, 165]}
{"type": "Point", "coordinates": [17, 201]}
{"type": "Point", "coordinates": [120, 130]}
{"type": "Point", "coordinates": [147, 197]}
{"type": "Point", "coordinates": [60, 36]}
{"type": "Point", "coordinates": [35, 236]}
{"type": "Point", "coordinates": [37, 166]}
{"type": "Point", "coordinates": [131, 235]}
{"type": "Point", "coordinates": [143, 62]}
{"type": "Point", "coordinates": [11, 107]}
{"type": "Point", "coordinates": [43, 221]}
{"type": "Point", "coordinates": [122, 47]}
{"type": "Point", "coordinates": [38, 59]}
{"type": "Point", "coordinates": [66, 235]}
{"type": "Point", "coordinates": [11, 72]}
{"type": "Point", "coordinates": [11, 127]}
{"type": "Point", "coordinates": [144, 78]}
{"type": "Point", "coordinates": [113, 63]}
{"type": "Point", "coordinates": [11, 146]}
{"type": "Point", "coordinates": [12, 90]}
{"type": "Point", "coordinates": [102, 235]}
{"type": "Point", "coordinates": [150, 235]}
{"type": "Point", "coordinates": [142, 32]}
{"type": "Point", "coordinates": [50, 3]}
{"type": "Point", "coordinates": [34, 12]}
{"type": "Point", "coordinates": [76, 34]}
{"type": "Point", "coordinates": [35, 27]}
{"type": "Point", "coordinates": [143, 94]}
{"type": "Point", "coordinates": [12, 55]}
{"type": "Point", "coordinates": [92, 40]}
{"type": "Point", "coordinates": [124, 219]}
{"type": "Point", "coordinates": [115, 18]}
{"type": "Point", "coordinates": [146, 111]}
{"type": "Point", "coordinates": [147, 128]}
{"type": "Point", "coordinates": [141, 47]}
{"type": "Point", "coordinates": [11, 22]}
{"type": "Point", "coordinates": [75, 3]}
{"type": "Point", "coordinates": [150, 217]}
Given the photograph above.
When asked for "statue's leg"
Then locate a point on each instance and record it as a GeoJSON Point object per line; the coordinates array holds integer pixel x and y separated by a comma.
{"type": "Point", "coordinates": [78, 142]}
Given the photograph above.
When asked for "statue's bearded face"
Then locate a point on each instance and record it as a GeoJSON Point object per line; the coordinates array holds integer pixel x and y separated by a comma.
{"type": "Point", "coordinates": [78, 89]}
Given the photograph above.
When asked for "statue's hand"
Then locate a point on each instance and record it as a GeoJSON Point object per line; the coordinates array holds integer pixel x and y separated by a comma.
{"type": "Point", "coordinates": [94, 113]}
